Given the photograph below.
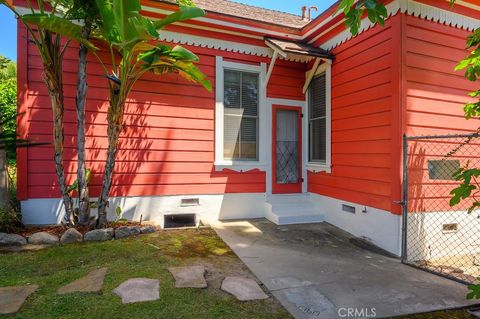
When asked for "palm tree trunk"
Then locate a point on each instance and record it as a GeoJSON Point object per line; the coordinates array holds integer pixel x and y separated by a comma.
{"type": "Point", "coordinates": [83, 193]}
{"type": "Point", "coordinates": [115, 118]}
{"type": "Point", "coordinates": [53, 78]}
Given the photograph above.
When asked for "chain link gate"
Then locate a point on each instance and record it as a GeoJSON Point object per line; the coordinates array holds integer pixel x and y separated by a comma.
{"type": "Point", "coordinates": [437, 237]}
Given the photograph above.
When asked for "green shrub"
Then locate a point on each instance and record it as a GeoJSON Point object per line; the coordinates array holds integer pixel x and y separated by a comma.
{"type": "Point", "coordinates": [10, 220]}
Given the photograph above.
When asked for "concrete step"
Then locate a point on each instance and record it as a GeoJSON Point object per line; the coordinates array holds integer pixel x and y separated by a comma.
{"type": "Point", "coordinates": [292, 209]}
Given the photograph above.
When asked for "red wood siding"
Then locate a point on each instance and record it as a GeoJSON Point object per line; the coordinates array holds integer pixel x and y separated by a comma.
{"type": "Point", "coordinates": [167, 146]}
{"type": "Point", "coordinates": [435, 96]}
{"type": "Point", "coordinates": [435, 93]}
{"type": "Point", "coordinates": [365, 106]}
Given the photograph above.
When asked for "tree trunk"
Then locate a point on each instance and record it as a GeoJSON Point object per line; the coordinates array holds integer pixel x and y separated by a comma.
{"type": "Point", "coordinates": [115, 118]}
{"type": "Point", "coordinates": [53, 78]}
{"type": "Point", "coordinates": [83, 193]}
{"type": "Point", "coordinates": [4, 200]}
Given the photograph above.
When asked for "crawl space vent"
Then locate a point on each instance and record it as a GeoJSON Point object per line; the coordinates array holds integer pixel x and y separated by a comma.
{"type": "Point", "coordinates": [190, 202]}
{"type": "Point", "coordinates": [348, 209]}
{"type": "Point", "coordinates": [449, 228]}
{"type": "Point", "coordinates": [179, 220]}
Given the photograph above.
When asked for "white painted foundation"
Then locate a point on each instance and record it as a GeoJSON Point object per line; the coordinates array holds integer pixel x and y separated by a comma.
{"type": "Point", "coordinates": [380, 227]}
{"type": "Point", "coordinates": [152, 208]}
{"type": "Point", "coordinates": [427, 240]}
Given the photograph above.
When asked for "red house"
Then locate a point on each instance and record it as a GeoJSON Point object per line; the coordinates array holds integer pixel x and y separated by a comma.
{"type": "Point", "coordinates": [304, 123]}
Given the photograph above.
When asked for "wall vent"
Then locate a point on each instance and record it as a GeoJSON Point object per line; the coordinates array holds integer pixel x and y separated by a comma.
{"type": "Point", "coordinates": [179, 220]}
{"type": "Point", "coordinates": [348, 209]}
{"type": "Point", "coordinates": [190, 202]}
{"type": "Point", "coordinates": [450, 228]}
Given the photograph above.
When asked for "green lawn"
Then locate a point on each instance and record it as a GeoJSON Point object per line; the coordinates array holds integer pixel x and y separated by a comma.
{"type": "Point", "coordinates": [143, 256]}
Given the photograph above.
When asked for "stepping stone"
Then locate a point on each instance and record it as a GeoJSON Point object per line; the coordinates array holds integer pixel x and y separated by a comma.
{"type": "Point", "coordinates": [138, 290]}
{"type": "Point", "coordinates": [43, 238]}
{"type": "Point", "coordinates": [243, 289]}
{"type": "Point", "coordinates": [93, 282]}
{"type": "Point", "coordinates": [189, 277]}
{"type": "Point", "coordinates": [12, 298]}
{"type": "Point", "coordinates": [71, 236]}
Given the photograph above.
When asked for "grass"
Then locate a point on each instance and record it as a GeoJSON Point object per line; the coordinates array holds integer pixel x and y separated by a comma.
{"type": "Point", "coordinates": [143, 256]}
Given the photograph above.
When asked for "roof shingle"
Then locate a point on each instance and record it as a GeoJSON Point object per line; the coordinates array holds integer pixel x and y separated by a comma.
{"type": "Point", "coordinates": [254, 13]}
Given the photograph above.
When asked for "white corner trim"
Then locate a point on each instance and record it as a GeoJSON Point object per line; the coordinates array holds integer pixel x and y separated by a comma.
{"type": "Point", "coordinates": [409, 7]}
{"type": "Point", "coordinates": [220, 162]}
{"type": "Point", "coordinates": [312, 166]}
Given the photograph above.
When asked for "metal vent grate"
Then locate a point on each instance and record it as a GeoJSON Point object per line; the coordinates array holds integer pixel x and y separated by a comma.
{"type": "Point", "coordinates": [190, 202]}
{"type": "Point", "coordinates": [348, 209]}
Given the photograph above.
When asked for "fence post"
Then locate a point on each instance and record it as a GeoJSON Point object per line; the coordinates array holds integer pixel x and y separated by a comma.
{"type": "Point", "coordinates": [404, 197]}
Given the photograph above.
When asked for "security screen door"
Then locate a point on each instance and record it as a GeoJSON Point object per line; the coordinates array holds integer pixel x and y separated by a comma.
{"type": "Point", "coordinates": [286, 148]}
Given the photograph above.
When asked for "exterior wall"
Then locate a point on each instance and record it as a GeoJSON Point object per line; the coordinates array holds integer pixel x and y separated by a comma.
{"type": "Point", "coordinates": [167, 146]}
{"type": "Point", "coordinates": [435, 94]}
{"type": "Point", "coordinates": [434, 98]}
{"type": "Point", "coordinates": [365, 111]}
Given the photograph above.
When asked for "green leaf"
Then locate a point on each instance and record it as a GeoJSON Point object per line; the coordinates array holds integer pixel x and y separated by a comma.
{"type": "Point", "coordinates": [181, 53]}
{"type": "Point", "coordinates": [474, 291]}
{"type": "Point", "coordinates": [58, 25]}
{"type": "Point", "coordinates": [185, 13]}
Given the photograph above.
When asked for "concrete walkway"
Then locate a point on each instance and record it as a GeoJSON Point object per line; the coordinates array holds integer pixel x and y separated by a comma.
{"type": "Point", "coordinates": [317, 272]}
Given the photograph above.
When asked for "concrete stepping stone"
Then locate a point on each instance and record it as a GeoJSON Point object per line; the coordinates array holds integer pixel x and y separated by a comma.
{"type": "Point", "coordinates": [243, 289]}
{"type": "Point", "coordinates": [138, 290]}
{"type": "Point", "coordinates": [189, 277]}
{"type": "Point", "coordinates": [12, 298]}
{"type": "Point", "coordinates": [93, 282]}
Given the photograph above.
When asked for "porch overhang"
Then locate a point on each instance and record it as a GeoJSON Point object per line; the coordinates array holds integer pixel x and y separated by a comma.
{"type": "Point", "coordinates": [292, 49]}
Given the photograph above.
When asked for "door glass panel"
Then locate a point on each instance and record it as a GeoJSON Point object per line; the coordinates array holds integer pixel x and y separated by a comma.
{"type": "Point", "coordinates": [287, 166]}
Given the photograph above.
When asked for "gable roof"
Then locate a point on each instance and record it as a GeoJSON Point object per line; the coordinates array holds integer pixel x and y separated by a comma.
{"type": "Point", "coordinates": [249, 12]}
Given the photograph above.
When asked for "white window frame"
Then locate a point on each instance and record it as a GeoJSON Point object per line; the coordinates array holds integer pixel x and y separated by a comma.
{"type": "Point", "coordinates": [326, 68]}
{"type": "Point", "coordinates": [236, 165]}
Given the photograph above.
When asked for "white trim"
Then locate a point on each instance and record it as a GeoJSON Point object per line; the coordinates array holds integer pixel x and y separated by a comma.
{"type": "Point", "coordinates": [310, 74]}
{"type": "Point", "coordinates": [317, 166]}
{"type": "Point", "coordinates": [284, 102]}
{"type": "Point", "coordinates": [270, 67]}
{"type": "Point", "coordinates": [241, 166]}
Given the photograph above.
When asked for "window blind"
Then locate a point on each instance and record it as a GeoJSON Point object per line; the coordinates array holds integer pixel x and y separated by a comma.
{"type": "Point", "coordinates": [240, 115]}
{"type": "Point", "coordinates": [317, 119]}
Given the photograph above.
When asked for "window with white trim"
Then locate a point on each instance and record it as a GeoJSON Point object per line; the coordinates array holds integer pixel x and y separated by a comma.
{"type": "Point", "coordinates": [319, 120]}
{"type": "Point", "coordinates": [240, 123]}
{"type": "Point", "coordinates": [240, 115]}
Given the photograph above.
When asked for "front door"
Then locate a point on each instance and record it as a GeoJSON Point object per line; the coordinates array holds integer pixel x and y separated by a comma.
{"type": "Point", "coordinates": [286, 149]}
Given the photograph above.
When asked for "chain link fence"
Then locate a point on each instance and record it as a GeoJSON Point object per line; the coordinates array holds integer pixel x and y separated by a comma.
{"type": "Point", "coordinates": [436, 236]}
